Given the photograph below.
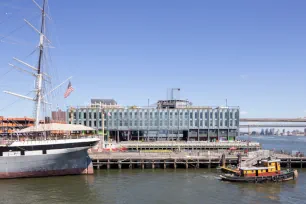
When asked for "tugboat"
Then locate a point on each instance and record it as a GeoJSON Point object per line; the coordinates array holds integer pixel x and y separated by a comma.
{"type": "Point", "coordinates": [265, 171]}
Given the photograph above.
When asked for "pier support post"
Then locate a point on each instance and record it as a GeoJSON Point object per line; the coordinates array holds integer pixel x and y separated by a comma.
{"type": "Point", "coordinates": [131, 165]}
{"type": "Point", "coordinates": [209, 163]}
{"type": "Point", "coordinates": [142, 164]}
{"type": "Point", "coordinates": [174, 164]}
{"type": "Point", "coordinates": [198, 164]}
{"type": "Point", "coordinates": [153, 165]}
{"type": "Point", "coordinates": [165, 165]}
{"type": "Point", "coordinates": [98, 164]}
{"type": "Point", "coordinates": [288, 163]}
{"type": "Point", "coordinates": [301, 163]}
{"type": "Point", "coordinates": [108, 164]}
{"type": "Point", "coordinates": [119, 164]}
{"type": "Point", "coordinates": [186, 164]}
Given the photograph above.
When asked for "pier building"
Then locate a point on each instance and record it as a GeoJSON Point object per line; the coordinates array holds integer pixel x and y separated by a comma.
{"type": "Point", "coordinates": [172, 120]}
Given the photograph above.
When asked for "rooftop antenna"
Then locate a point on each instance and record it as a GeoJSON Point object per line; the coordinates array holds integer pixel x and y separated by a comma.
{"type": "Point", "coordinates": [172, 93]}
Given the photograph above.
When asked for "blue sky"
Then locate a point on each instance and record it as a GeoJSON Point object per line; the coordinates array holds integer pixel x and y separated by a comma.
{"type": "Point", "coordinates": [252, 53]}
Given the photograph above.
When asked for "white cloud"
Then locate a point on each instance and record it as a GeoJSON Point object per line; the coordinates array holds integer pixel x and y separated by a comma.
{"type": "Point", "coordinates": [243, 113]}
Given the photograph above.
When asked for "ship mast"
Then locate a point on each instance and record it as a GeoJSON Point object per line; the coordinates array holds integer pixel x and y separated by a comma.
{"type": "Point", "coordinates": [40, 59]}
{"type": "Point", "coordinates": [37, 72]}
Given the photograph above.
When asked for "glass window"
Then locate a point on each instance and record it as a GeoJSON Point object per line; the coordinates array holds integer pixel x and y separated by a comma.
{"type": "Point", "coordinates": [135, 123]}
{"type": "Point", "coordinates": [140, 114]}
{"type": "Point", "coordinates": [131, 123]}
{"type": "Point", "coordinates": [120, 123]}
{"type": "Point", "coordinates": [126, 123]}
{"type": "Point", "coordinates": [85, 115]}
{"type": "Point", "coordinates": [206, 123]}
{"type": "Point", "coordinates": [186, 115]}
{"type": "Point", "coordinates": [120, 115]}
{"type": "Point", "coordinates": [95, 123]}
{"type": "Point", "coordinates": [210, 115]}
{"type": "Point", "coordinates": [191, 115]}
{"type": "Point", "coordinates": [191, 123]}
{"type": "Point", "coordinates": [221, 115]}
{"type": "Point", "coordinates": [216, 115]}
{"type": "Point", "coordinates": [100, 123]}
{"type": "Point", "coordinates": [90, 123]}
{"type": "Point", "coordinates": [95, 115]}
{"type": "Point", "coordinates": [140, 123]}
{"type": "Point", "coordinates": [186, 122]}
{"type": "Point", "coordinates": [176, 123]}
{"type": "Point", "coordinates": [201, 123]}
{"type": "Point", "coordinates": [231, 114]}
{"type": "Point", "coordinates": [181, 123]}
{"type": "Point", "coordinates": [151, 115]}
{"type": "Point", "coordinates": [201, 115]}
{"type": "Point", "coordinates": [161, 123]}
{"type": "Point", "coordinates": [196, 123]}
{"type": "Point", "coordinates": [236, 115]}
{"type": "Point", "coordinates": [115, 114]}
{"type": "Point", "coordinates": [196, 115]}
{"type": "Point", "coordinates": [156, 123]}
{"type": "Point", "coordinates": [125, 114]}
{"type": "Point", "coordinates": [206, 114]}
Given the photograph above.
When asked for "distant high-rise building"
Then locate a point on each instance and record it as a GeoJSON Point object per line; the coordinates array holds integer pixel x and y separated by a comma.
{"type": "Point", "coordinates": [263, 131]}
{"type": "Point", "coordinates": [284, 131]}
{"type": "Point", "coordinates": [267, 132]}
{"type": "Point", "coordinates": [59, 116]}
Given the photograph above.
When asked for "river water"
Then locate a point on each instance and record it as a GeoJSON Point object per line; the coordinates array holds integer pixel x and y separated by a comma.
{"type": "Point", "coordinates": [158, 186]}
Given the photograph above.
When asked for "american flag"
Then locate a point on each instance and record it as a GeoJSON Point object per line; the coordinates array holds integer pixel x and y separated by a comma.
{"type": "Point", "coordinates": [69, 90]}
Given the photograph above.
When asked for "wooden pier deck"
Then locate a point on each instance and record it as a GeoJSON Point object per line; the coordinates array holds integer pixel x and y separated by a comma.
{"type": "Point", "coordinates": [177, 160]}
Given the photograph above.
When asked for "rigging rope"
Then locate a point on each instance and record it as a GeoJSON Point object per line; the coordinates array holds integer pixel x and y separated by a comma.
{"type": "Point", "coordinates": [19, 99]}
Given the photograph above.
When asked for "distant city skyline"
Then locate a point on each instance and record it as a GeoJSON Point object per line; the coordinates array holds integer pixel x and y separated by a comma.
{"type": "Point", "coordinates": [250, 54]}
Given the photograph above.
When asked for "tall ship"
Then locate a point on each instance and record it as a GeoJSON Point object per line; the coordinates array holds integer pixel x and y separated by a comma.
{"type": "Point", "coordinates": [34, 152]}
